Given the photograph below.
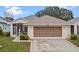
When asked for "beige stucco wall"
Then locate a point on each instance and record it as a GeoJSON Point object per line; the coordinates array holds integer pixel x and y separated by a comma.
{"type": "Point", "coordinates": [66, 31]}
{"type": "Point", "coordinates": [30, 31]}
{"type": "Point", "coordinates": [75, 29]}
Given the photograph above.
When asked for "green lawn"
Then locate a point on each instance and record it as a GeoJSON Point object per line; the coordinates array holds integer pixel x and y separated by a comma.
{"type": "Point", "coordinates": [9, 46]}
{"type": "Point", "coordinates": [76, 42]}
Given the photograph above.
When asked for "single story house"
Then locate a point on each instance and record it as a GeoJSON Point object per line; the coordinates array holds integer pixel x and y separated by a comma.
{"type": "Point", "coordinates": [4, 25]}
{"type": "Point", "coordinates": [45, 27]}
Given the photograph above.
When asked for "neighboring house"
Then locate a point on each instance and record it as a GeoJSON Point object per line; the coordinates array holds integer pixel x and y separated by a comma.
{"type": "Point", "coordinates": [4, 25]}
{"type": "Point", "coordinates": [45, 27]}
{"type": "Point", "coordinates": [75, 26]}
{"type": "Point", "coordinates": [8, 19]}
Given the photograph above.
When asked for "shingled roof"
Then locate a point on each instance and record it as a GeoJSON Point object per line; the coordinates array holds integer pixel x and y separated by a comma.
{"type": "Point", "coordinates": [47, 20]}
{"type": "Point", "coordinates": [74, 20]}
{"type": "Point", "coordinates": [44, 20]}
{"type": "Point", "coordinates": [2, 20]}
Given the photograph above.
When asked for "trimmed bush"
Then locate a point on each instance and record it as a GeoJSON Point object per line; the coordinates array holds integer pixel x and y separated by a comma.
{"type": "Point", "coordinates": [24, 33]}
{"type": "Point", "coordinates": [73, 37]}
{"type": "Point", "coordinates": [7, 33]}
{"type": "Point", "coordinates": [1, 32]}
{"type": "Point", "coordinates": [24, 37]}
{"type": "Point", "coordinates": [4, 33]}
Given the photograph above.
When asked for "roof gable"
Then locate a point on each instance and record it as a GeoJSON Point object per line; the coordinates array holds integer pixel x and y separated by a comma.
{"type": "Point", "coordinates": [2, 20]}
{"type": "Point", "coordinates": [44, 20]}
{"type": "Point", "coordinates": [74, 20]}
{"type": "Point", "coordinates": [19, 21]}
{"type": "Point", "coordinates": [50, 18]}
{"type": "Point", "coordinates": [47, 20]}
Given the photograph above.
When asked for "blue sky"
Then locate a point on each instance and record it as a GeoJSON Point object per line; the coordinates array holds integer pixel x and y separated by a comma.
{"type": "Point", "coordinates": [23, 11]}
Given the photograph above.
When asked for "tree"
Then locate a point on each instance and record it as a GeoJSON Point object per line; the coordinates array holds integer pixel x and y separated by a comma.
{"type": "Point", "coordinates": [56, 12]}
{"type": "Point", "coordinates": [1, 31]}
{"type": "Point", "coordinates": [66, 14]}
{"type": "Point", "coordinates": [9, 19]}
{"type": "Point", "coordinates": [8, 13]}
{"type": "Point", "coordinates": [8, 16]}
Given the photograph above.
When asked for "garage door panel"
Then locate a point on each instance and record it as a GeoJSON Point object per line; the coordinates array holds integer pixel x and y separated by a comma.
{"type": "Point", "coordinates": [47, 31]}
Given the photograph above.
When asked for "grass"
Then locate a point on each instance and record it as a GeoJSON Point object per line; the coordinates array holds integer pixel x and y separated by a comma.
{"type": "Point", "coordinates": [76, 42]}
{"type": "Point", "coordinates": [9, 46]}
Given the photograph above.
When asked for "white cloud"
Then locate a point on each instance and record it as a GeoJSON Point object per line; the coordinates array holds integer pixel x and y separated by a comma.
{"type": "Point", "coordinates": [16, 8]}
{"type": "Point", "coordinates": [61, 6]}
{"type": "Point", "coordinates": [16, 11]}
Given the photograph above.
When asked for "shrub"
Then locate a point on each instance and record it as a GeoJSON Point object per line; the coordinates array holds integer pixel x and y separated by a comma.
{"type": "Point", "coordinates": [73, 37]}
{"type": "Point", "coordinates": [1, 32]}
{"type": "Point", "coordinates": [24, 33]}
{"type": "Point", "coordinates": [7, 33]}
{"type": "Point", "coordinates": [24, 37]}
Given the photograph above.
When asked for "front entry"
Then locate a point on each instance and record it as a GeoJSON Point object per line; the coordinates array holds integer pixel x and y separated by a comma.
{"type": "Point", "coordinates": [19, 27]}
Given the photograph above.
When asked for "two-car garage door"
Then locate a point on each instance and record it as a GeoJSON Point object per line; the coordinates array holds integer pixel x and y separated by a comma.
{"type": "Point", "coordinates": [47, 31]}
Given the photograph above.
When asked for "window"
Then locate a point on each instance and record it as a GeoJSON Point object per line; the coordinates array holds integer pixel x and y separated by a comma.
{"type": "Point", "coordinates": [25, 29]}
{"type": "Point", "coordinates": [72, 29]}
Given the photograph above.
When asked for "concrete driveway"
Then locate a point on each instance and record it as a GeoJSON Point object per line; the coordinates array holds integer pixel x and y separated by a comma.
{"type": "Point", "coordinates": [53, 45]}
